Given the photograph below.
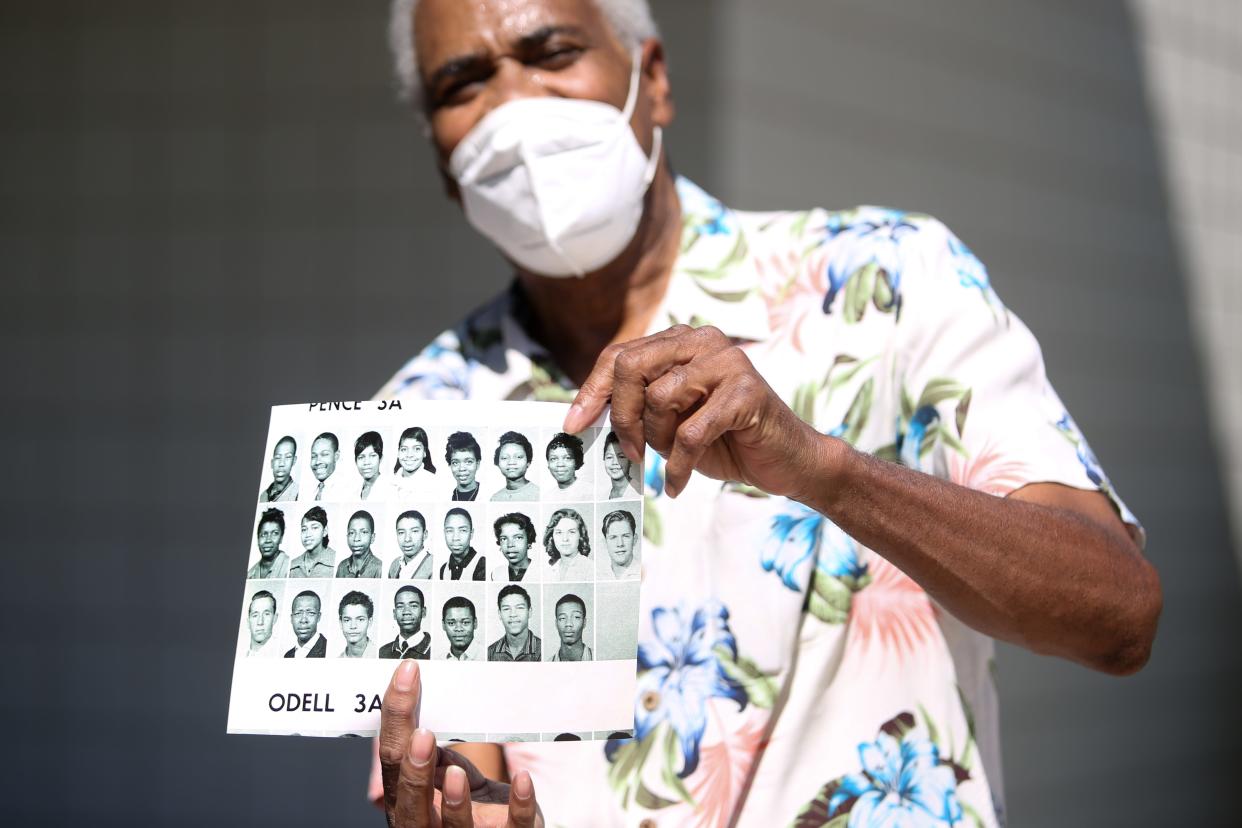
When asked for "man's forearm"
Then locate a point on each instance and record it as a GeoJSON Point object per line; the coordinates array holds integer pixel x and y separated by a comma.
{"type": "Point", "coordinates": [1054, 580]}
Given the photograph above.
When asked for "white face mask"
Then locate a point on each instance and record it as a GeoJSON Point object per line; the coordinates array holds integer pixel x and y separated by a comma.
{"type": "Point", "coordinates": [556, 183]}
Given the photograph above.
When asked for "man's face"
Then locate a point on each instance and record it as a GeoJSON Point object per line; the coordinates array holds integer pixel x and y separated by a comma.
{"type": "Point", "coordinates": [407, 611]}
{"type": "Point", "coordinates": [514, 614]}
{"type": "Point", "coordinates": [513, 544]}
{"type": "Point", "coordinates": [457, 534]}
{"type": "Point", "coordinates": [323, 459]}
{"type": "Point", "coordinates": [464, 466]}
{"type": "Point", "coordinates": [355, 623]}
{"type": "Point", "coordinates": [359, 536]}
{"type": "Point", "coordinates": [459, 627]}
{"type": "Point", "coordinates": [620, 542]}
{"type": "Point", "coordinates": [312, 534]}
{"type": "Point", "coordinates": [368, 462]}
{"type": "Point", "coordinates": [262, 619]}
{"type": "Point", "coordinates": [569, 623]}
{"type": "Point", "coordinates": [563, 48]}
{"type": "Point", "coordinates": [305, 617]}
{"type": "Point", "coordinates": [513, 461]}
{"type": "Point", "coordinates": [561, 464]}
{"type": "Point", "coordinates": [283, 459]}
{"type": "Point", "coordinates": [409, 536]}
{"type": "Point", "coordinates": [270, 536]}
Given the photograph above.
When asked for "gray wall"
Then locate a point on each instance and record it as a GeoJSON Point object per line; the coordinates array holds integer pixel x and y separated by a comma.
{"type": "Point", "coordinates": [207, 208]}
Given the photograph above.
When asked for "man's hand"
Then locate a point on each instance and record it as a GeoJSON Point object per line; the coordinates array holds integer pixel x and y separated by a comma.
{"type": "Point", "coordinates": [426, 786]}
{"type": "Point", "coordinates": [696, 398]}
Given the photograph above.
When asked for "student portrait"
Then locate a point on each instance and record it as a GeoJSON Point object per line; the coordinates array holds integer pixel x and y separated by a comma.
{"type": "Point", "coordinates": [512, 457]}
{"type": "Point", "coordinates": [318, 559]}
{"type": "Point", "coordinates": [515, 538]}
{"type": "Point", "coordinates": [273, 562]}
{"type": "Point", "coordinates": [359, 536]}
{"type": "Point", "coordinates": [463, 454]}
{"type": "Point", "coordinates": [412, 641]}
{"type": "Point", "coordinates": [357, 614]}
{"type": "Point", "coordinates": [284, 460]}
{"type": "Point", "coordinates": [304, 614]}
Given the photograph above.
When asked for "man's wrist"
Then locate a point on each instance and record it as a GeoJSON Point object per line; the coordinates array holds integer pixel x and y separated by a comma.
{"type": "Point", "coordinates": [824, 478]}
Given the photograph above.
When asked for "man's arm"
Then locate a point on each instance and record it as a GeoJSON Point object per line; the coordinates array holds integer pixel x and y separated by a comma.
{"type": "Point", "coordinates": [1050, 568]}
{"type": "Point", "coordinates": [1045, 568]}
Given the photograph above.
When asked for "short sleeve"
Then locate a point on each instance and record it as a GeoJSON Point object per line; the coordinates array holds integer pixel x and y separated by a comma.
{"type": "Point", "coordinates": [976, 404]}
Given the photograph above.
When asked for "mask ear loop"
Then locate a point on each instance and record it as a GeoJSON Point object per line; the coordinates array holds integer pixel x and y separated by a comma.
{"type": "Point", "coordinates": [631, 102]}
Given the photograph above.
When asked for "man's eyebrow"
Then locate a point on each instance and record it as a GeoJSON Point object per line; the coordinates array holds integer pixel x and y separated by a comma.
{"type": "Point", "coordinates": [544, 33]}
{"type": "Point", "coordinates": [463, 64]}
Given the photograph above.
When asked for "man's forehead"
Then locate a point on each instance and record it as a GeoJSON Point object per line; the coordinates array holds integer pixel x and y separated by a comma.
{"type": "Point", "coordinates": [303, 600]}
{"type": "Point", "coordinates": [449, 29]}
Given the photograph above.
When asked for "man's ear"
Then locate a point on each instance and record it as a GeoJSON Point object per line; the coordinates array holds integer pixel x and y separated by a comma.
{"type": "Point", "coordinates": [658, 88]}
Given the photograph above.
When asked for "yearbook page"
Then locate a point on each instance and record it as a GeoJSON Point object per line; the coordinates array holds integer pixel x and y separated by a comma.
{"type": "Point", "coordinates": [502, 554]}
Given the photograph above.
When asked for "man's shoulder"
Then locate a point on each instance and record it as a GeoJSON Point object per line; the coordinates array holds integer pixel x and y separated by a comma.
{"type": "Point", "coordinates": [441, 370]}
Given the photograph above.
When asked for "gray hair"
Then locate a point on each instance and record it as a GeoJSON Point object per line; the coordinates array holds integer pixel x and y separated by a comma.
{"type": "Point", "coordinates": [631, 21]}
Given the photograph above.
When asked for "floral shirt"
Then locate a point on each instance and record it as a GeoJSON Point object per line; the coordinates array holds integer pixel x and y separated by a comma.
{"type": "Point", "coordinates": [789, 675]}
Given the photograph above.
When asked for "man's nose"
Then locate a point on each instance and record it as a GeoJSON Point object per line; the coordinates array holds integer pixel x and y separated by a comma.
{"type": "Point", "coordinates": [512, 81]}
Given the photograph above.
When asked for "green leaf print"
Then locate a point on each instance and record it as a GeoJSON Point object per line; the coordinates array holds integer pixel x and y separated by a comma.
{"type": "Point", "coordinates": [626, 771]}
{"type": "Point", "coordinates": [828, 599]}
{"type": "Point", "coordinates": [938, 390]}
{"type": "Point", "coordinates": [963, 406]}
{"type": "Point", "coordinates": [859, 410]}
{"type": "Point", "coordinates": [760, 689]}
{"type": "Point", "coordinates": [672, 756]}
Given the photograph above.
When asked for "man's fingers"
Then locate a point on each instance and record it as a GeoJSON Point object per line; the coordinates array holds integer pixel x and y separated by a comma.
{"type": "Point", "coordinates": [398, 718]}
{"type": "Point", "coordinates": [644, 362]}
{"type": "Point", "coordinates": [455, 807]}
{"type": "Point", "coordinates": [522, 808]}
{"type": "Point", "coordinates": [414, 792]}
{"type": "Point", "coordinates": [597, 388]}
{"type": "Point", "coordinates": [723, 412]}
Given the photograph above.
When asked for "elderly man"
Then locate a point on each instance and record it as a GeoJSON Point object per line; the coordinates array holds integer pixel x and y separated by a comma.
{"type": "Point", "coordinates": [901, 484]}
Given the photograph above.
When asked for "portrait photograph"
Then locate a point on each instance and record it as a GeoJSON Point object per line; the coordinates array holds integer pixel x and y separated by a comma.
{"type": "Point", "coordinates": [330, 474]}
{"type": "Point", "coordinates": [514, 538]}
{"type": "Point", "coordinates": [457, 616]}
{"type": "Point", "coordinates": [569, 621]}
{"type": "Point", "coordinates": [617, 477]}
{"type": "Point", "coordinates": [318, 539]}
{"type": "Point", "coordinates": [416, 531]}
{"type": "Point", "coordinates": [569, 458]}
{"type": "Point", "coordinates": [404, 627]}
{"type": "Point", "coordinates": [264, 625]}
{"type": "Point", "coordinates": [517, 458]}
{"type": "Point", "coordinates": [415, 465]}
{"type": "Point", "coordinates": [371, 474]}
{"type": "Point", "coordinates": [271, 545]}
{"type": "Point", "coordinates": [369, 540]}
{"type": "Point", "coordinates": [617, 634]}
{"type": "Point", "coordinates": [567, 539]}
{"type": "Point", "coordinates": [465, 538]}
{"type": "Point", "coordinates": [353, 613]}
{"type": "Point", "coordinates": [281, 469]}
{"type": "Point", "coordinates": [514, 631]}
{"type": "Point", "coordinates": [308, 619]}
{"type": "Point", "coordinates": [618, 538]}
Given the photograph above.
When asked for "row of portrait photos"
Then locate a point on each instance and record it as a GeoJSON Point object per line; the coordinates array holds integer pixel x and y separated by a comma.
{"type": "Point", "coordinates": [466, 620]}
{"type": "Point", "coordinates": [413, 463]}
{"type": "Point", "coordinates": [518, 542]}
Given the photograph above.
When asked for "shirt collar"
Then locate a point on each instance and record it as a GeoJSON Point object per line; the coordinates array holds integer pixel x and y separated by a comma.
{"type": "Point", "coordinates": [714, 282]}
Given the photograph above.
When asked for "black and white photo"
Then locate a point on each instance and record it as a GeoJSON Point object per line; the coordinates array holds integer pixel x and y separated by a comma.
{"type": "Point", "coordinates": [567, 543]}
{"type": "Point", "coordinates": [328, 482]}
{"type": "Point", "coordinates": [572, 620]}
{"type": "Point", "coordinates": [565, 455]}
{"type": "Point", "coordinates": [414, 473]}
{"type": "Point", "coordinates": [513, 457]}
{"type": "Point", "coordinates": [463, 455]}
{"type": "Point", "coordinates": [284, 485]}
{"type": "Point", "coordinates": [463, 561]}
{"type": "Point", "coordinates": [620, 534]}
{"type": "Point", "coordinates": [515, 541]}
{"type": "Point", "coordinates": [461, 626]}
{"type": "Point", "coordinates": [516, 640]}
{"type": "Point", "coordinates": [622, 477]}
{"type": "Point", "coordinates": [369, 460]}
{"type": "Point", "coordinates": [304, 614]}
{"type": "Point", "coordinates": [318, 559]}
{"type": "Point", "coordinates": [414, 562]}
{"type": "Point", "coordinates": [261, 618]}
{"type": "Point", "coordinates": [356, 613]}
{"type": "Point", "coordinates": [617, 602]}
{"type": "Point", "coordinates": [408, 610]}
{"type": "Point", "coordinates": [360, 538]}
{"type": "Point", "coordinates": [269, 537]}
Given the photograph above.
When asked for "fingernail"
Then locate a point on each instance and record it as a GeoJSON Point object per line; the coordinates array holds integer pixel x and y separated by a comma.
{"type": "Point", "coordinates": [421, 746]}
{"type": "Point", "coordinates": [405, 675]}
{"type": "Point", "coordinates": [454, 785]}
{"type": "Point", "coordinates": [571, 419]}
{"type": "Point", "coordinates": [522, 788]}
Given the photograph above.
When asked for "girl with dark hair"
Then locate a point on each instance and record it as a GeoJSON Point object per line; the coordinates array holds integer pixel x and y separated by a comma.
{"type": "Point", "coordinates": [414, 471]}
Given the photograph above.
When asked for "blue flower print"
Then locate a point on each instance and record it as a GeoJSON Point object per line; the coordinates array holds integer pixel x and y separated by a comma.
{"type": "Point", "coordinates": [792, 542]}
{"type": "Point", "coordinates": [838, 555]}
{"type": "Point", "coordinates": [873, 237]}
{"type": "Point", "coordinates": [1095, 472]}
{"type": "Point", "coordinates": [440, 372]}
{"type": "Point", "coordinates": [910, 444]}
{"type": "Point", "coordinates": [970, 271]}
{"type": "Point", "coordinates": [706, 215]}
{"type": "Point", "coordinates": [678, 671]}
{"type": "Point", "coordinates": [902, 784]}
{"type": "Point", "coordinates": [653, 474]}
